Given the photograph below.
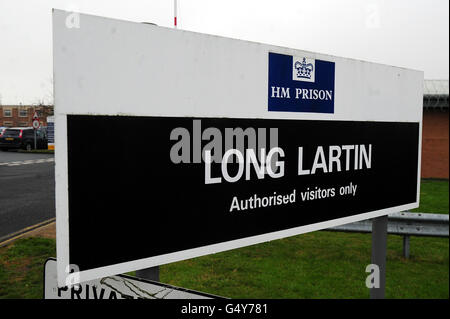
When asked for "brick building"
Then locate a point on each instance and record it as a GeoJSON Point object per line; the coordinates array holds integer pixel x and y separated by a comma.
{"type": "Point", "coordinates": [435, 129]}
{"type": "Point", "coordinates": [22, 115]}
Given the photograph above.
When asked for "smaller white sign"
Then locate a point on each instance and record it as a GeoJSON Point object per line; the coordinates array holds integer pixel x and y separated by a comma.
{"type": "Point", "coordinates": [114, 287]}
{"type": "Point", "coordinates": [36, 124]}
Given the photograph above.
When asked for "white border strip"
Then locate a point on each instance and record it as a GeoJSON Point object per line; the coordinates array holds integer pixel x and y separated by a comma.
{"type": "Point", "coordinates": [61, 197]}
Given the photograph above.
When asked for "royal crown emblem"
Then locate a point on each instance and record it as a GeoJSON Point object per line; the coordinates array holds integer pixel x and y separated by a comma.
{"type": "Point", "coordinates": [304, 70]}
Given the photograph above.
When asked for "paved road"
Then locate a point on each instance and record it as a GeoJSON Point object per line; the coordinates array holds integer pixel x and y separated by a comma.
{"type": "Point", "coordinates": [27, 190]}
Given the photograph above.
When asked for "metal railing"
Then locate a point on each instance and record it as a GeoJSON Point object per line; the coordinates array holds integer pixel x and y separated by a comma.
{"type": "Point", "coordinates": [405, 224]}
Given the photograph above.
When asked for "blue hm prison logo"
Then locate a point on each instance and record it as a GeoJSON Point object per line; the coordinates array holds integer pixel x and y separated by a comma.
{"type": "Point", "coordinates": [303, 69]}
{"type": "Point", "coordinates": [300, 84]}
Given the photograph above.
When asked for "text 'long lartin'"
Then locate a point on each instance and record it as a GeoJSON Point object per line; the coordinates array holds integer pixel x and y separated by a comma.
{"type": "Point", "coordinates": [339, 159]}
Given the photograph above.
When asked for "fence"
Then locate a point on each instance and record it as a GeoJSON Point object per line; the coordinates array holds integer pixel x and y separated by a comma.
{"type": "Point", "coordinates": [405, 224]}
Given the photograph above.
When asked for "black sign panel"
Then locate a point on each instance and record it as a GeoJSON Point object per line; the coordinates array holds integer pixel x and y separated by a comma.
{"type": "Point", "coordinates": [128, 200]}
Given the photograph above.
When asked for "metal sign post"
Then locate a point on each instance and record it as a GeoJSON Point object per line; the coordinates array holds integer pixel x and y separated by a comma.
{"type": "Point", "coordinates": [36, 125]}
{"type": "Point", "coordinates": [379, 246]}
{"type": "Point", "coordinates": [151, 273]}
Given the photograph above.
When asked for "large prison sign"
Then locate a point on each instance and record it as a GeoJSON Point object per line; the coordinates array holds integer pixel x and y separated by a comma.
{"type": "Point", "coordinates": [172, 144]}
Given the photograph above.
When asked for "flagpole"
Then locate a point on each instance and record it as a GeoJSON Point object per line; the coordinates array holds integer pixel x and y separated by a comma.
{"type": "Point", "coordinates": [175, 13]}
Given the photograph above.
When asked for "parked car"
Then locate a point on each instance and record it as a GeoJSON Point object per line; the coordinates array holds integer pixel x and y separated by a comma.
{"type": "Point", "coordinates": [22, 138]}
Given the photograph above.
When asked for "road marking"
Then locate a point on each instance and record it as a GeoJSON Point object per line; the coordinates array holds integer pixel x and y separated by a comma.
{"type": "Point", "coordinates": [16, 235]}
{"type": "Point", "coordinates": [26, 162]}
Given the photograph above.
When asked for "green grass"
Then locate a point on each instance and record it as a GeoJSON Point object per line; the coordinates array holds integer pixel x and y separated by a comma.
{"type": "Point", "coordinates": [433, 196]}
{"type": "Point", "coordinates": [314, 265]}
{"type": "Point", "coordinates": [21, 267]}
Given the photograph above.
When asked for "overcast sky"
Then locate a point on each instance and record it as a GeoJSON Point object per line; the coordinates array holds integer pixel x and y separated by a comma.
{"type": "Point", "coordinates": [406, 33]}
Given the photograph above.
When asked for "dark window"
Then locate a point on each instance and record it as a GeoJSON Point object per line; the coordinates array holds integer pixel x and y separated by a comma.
{"type": "Point", "coordinates": [7, 113]}
{"type": "Point", "coordinates": [11, 133]}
